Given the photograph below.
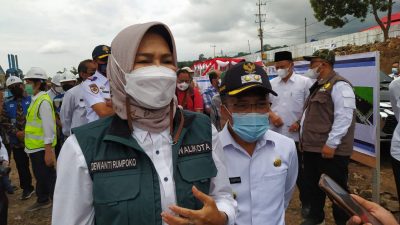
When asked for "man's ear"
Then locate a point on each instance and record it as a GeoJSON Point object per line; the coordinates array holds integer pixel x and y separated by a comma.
{"type": "Point", "coordinates": [225, 115]}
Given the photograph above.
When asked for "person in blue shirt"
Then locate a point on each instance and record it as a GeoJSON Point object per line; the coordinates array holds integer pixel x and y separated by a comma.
{"type": "Point", "coordinates": [13, 120]}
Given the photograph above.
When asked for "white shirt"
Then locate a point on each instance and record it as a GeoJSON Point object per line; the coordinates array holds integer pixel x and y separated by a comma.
{"type": "Point", "coordinates": [3, 151]}
{"type": "Point", "coordinates": [263, 190]}
{"type": "Point", "coordinates": [48, 123]}
{"type": "Point", "coordinates": [289, 103]}
{"type": "Point", "coordinates": [344, 103]}
{"type": "Point", "coordinates": [73, 110]}
{"type": "Point", "coordinates": [394, 91]}
{"type": "Point", "coordinates": [73, 200]}
{"type": "Point", "coordinates": [96, 89]}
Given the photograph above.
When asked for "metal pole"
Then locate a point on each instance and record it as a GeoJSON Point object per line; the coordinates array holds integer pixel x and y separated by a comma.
{"type": "Point", "coordinates": [248, 42]}
{"type": "Point", "coordinates": [305, 30]}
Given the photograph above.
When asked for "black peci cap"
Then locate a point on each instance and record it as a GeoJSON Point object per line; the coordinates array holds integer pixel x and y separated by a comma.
{"type": "Point", "coordinates": [284, 55]}
{"type": "Point", "coordinates": [243, 77]}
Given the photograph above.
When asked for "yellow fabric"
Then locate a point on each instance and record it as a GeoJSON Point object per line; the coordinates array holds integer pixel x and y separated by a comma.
{"type": "Point", "coordinates": [237, 91]}
{"type": "Point", "coordinates": [34, 134]}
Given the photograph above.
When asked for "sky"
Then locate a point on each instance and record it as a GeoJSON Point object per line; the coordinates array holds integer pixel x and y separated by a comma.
{"type": "Point", "coordinates": [54, 34]}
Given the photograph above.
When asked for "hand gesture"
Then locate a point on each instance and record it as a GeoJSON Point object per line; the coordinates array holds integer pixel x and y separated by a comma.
{"type": "Point", "coordinates": [208, 215]}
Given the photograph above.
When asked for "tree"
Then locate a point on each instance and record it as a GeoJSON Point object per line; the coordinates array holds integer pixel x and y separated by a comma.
{"type": "Point", "coordinates": [336, 13]}
{"type": "Point", "coordinates": [74, 70]}
{"type": "Point", "coordinates": [201, 57]}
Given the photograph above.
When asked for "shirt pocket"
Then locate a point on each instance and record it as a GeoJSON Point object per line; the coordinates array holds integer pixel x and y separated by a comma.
{"type": "Point", "coordinates": [270, 191]}
{"type": "Point", "coordinates": [111, 193]}
{"type": "Point", "coordinates": [198, 170]}
{"type": "Point", "coordinates": [298, 100]}
{"type": "Point", "coordinates": [349, 99]}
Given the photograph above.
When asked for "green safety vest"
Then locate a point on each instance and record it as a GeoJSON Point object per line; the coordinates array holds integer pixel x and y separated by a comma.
{"type": "Point", "coordinates": [125, 182]}
{"type": "Point", "coordinates": [34, 134]}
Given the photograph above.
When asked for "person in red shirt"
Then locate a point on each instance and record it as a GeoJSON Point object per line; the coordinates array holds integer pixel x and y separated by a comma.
{"type": "Point", "coordinates": [189, 97]}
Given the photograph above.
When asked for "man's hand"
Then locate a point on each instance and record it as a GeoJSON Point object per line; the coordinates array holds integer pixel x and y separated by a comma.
{"type": "Point", "coordinates": [275, 119]}
{"type": "Point", "coordinates": [381, 214]}
{"type": "Point", "coordinates": [49, 156]}
{"type": "Point", "coordinates": [5, 163]}
{"type": "Point", "coordinates": [20, 135]}
{"type": "Point", "coordinates": [295, 127]}
{"type": "Point", "coordinates": [208, 215]}
{"type": "Point", "coordinates": [327, 152]}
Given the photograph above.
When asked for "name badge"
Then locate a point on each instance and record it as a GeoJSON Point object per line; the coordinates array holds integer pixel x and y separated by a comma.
{"type": "Point", "coordinates": [235, 180]}
{"type": "Point", "coordinates": [113, 165]}
{"type": "Point", "coordinates": [186, 150]}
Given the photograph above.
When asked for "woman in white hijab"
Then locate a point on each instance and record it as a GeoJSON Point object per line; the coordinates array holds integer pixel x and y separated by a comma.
{"type": "Point", "coordinates": [151, 163]}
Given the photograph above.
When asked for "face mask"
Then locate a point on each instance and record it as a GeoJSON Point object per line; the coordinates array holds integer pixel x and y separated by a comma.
{"type": "Point", "coordinates": [153, 87]}
{"type": "Point", "coordinates": [102, 68]}
{"type": "Point", "coordinates": [183, 86]}
{"type": "Point", "coordinates": [282, 73]}
{"type": "Point", "coordinates": [59, 90]}
{"type": "Point", "coordinates": [29, 89]}
{"type": "Point", "coordinates": [312, 73]}
{"type": "Point", "coordinates": [17, 92]}
{"type": "Point", "coordinates": [395, 71]}
{"type": "Point", "coordinates": [219, 82]}
{"type": "Point", "coordinates": [250, 126]}
{"type": "Point", "coordinates": [66, 87]}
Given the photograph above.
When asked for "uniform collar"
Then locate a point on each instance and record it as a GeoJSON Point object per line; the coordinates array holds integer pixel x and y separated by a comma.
{"type": "Point", "coordinates": [98, 77]}
{"type": "Point", "coordinates": [118, 130]}
{"type": "Point", "coordinates": [141, 135]}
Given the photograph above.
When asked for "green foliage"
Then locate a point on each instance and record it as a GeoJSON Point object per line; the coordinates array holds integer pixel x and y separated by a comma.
{"type": "Point", "coordinates": [74, 70]}
{"type": "Point", "coordinates": [336, 13]}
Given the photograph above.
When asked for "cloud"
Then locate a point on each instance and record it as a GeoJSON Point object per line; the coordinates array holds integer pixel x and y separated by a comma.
{"type": "Point", "coordinates": [72, 28]}
{"type": "Point", "coordinates": [54, 47]}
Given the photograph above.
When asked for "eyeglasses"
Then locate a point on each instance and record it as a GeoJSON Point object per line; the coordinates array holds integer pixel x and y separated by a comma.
{"type": "Point", "coordinates": [242, 107]}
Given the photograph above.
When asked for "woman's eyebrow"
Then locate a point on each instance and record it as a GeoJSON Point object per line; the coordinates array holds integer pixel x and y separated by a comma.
{"type": "Point", "coordinates": [148, 55]}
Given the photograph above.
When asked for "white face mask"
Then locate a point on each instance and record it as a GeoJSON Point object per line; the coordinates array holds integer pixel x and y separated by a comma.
{"type": "Point", "coordinates": [153, 87]}
{"type": "Point", "coordinates": [282, 73]}
{"type": "Point", "coordinates": [59, 90]}
{"type": "Point", "coordinates": [313, 73]}
{"type": "Point", "coordinates": [183, 86]}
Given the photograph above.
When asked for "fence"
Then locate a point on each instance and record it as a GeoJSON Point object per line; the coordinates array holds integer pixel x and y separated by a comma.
{"type": "Point", "coordinates": [359, 38]}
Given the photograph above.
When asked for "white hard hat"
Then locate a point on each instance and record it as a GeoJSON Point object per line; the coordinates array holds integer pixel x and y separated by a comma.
{"type": "Point", "coordinates": [187, 69]}
{"type": "Point", "coordinates": [56, 79]}
{"type": "Point", "coordinates": [67, 76]}
{"type": "Point", "coordinates": [13, 80]}
{"type": "Point", "coordinates": [36, 73]}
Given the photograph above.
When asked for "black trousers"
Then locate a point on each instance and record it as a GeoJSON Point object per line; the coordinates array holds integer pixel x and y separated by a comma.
{"type": "Point", "coordinates": [45, 177]}
{"type": "Point", "coordinates": [305, 200]}
{"type": "Point", "coordinates": [337, 169]}
{"type": "Point", "coordinates": [22, 162]}
{"type": "Point", "coordinates": [3, 204]}
{"type": "Point", "coordinates": [396, 174]}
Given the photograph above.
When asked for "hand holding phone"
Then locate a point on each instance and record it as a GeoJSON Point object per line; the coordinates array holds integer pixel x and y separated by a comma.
{"type": "Point", "coordinates": [343, 199]}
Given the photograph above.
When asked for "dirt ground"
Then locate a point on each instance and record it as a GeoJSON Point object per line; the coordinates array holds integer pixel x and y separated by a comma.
{"type": "Point", "coordinates": [360, 179]}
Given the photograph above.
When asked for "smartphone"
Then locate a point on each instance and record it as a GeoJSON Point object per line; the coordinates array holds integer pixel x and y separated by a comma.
{"type": "Point", "coordinates": [343, 199]}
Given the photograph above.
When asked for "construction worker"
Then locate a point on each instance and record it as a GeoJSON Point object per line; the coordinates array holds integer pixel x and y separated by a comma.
{"type": "Point", "coordinates": [73, 111]}
{"type": "Point", "coordinates": [151, 163]}
{"type": "Point", "coordinates": [14, 113]}
{"type": "Point", "coordinates": [4, 171]}
{"type": "Point", "coordinates": [97, 87]}
{"type": "Point", "coordinates": [40, 137]}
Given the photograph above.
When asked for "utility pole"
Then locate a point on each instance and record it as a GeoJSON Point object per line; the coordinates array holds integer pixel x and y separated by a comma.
{"type": "Point", "coordinates": [305, 29]}
{"type": "Point", "coordinates": [248, 42]}
{"type": "Point", "coordinates": [259, 15]}
{"type": "Point", "coordinates": [213, 46]}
